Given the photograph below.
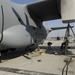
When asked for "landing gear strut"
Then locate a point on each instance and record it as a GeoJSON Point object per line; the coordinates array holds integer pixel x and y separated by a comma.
{"type": "Point", "coordinates": [66, 42]}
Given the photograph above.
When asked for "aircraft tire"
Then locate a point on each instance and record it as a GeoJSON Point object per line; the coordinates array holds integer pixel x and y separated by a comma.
{"type": "Point", "coordinates": [13, 49]}
{"type": "Point", "coordinates": [4, 51]}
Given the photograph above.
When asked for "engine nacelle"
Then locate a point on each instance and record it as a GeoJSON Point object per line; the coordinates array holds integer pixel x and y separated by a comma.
{"type": "Point", "coordinates": [68, 10]}
{"type": "Point", "coordinates": [17, 36]}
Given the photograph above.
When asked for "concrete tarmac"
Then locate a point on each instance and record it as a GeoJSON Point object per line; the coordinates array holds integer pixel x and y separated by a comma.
{"type": "Point", "coordinates": [17, 63]}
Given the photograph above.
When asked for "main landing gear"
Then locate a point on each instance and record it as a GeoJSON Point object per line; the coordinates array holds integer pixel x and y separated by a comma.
{"type": "Point", "coordinates": [65, 44]}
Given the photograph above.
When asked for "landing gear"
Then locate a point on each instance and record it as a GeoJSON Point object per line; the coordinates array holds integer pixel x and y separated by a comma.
{"type": "Point", "coordinates": [64, 46]}
{"type": "Point", "coordinates": [30, 48]}
{"type": "Point", "coordinates": [4, 51]}
{"type": "Point", "coordinates": [12, 49]}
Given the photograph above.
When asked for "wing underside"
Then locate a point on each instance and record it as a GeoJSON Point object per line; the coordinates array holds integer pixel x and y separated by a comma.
{"type": "Point", "coordinates": [44, 10]}
{"type": "Point", "coordinates": [53, 9]}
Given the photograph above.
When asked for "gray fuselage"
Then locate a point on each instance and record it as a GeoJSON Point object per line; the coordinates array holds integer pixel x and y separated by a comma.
{"type": "Point", "coordinates": [17, 28]}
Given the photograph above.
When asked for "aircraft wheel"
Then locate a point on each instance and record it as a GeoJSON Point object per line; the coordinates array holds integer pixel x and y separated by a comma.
{"type": "Point", "coordinates": [27, 49]}
{"type": "Point", "coordinates": [4, 51]}
{"type": "Point", "coordinates": [13, 49]}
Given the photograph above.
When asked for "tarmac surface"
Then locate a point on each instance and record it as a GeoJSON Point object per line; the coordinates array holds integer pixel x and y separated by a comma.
{"type": "Point", "coordinates": [51, 62]}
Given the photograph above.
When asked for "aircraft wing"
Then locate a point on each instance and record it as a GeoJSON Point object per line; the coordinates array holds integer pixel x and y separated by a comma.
{"type": "Point", "coordinates": [53, 9]}
{"type": "Point", "coordinates": [58, 28]}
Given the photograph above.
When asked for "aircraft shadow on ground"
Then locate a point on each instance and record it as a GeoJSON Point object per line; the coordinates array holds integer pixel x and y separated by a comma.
{"type": "Point", "coordinates": [55, 49]}
{"type": "Point", "coordinates": [21, 52]}
{"type": "Point", "coordinates": [14, 54]}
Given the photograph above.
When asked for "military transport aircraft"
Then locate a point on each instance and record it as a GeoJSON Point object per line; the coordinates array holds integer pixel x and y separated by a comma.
{"type": "Point", "coordinates": [21, 25]}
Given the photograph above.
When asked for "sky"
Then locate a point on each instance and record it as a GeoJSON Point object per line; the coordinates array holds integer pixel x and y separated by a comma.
{"type": "Point", "coordinates": [49, 24]}
{"type": "Point", "coordinates": [23, 1]}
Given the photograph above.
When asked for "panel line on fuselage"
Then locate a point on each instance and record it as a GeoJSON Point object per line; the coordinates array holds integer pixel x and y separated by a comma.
{"type": "Point", "coordinates": [2, 24]}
